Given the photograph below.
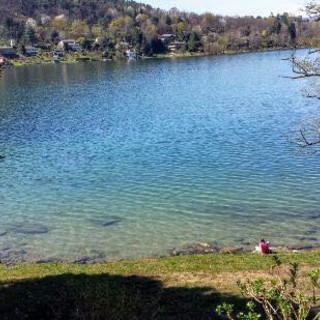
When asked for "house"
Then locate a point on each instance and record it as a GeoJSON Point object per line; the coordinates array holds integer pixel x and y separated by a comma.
{"type": "Point", "coordinates": [69, 45]}
{"type": "Point", "coordinates": [176, 46]}
{"type": "Point", "coordinates": [132, 55]}
{"type": "Point", "coordinates": [30, 51]}
{"type": "Point", "coordinates": [75, 47]}
{"type": "Point", "coordinates": [185, 35]}
{"type": "Point", "coordinates": [122, 46]}
{"type": "Point", "coordinates": [57, 55]}
{"type": "Point", "coordinates": [43, 46]}
{"type": "Point", "coordinates": [8, 52]}
{"type": "Point", "coordinates": [166, 37]}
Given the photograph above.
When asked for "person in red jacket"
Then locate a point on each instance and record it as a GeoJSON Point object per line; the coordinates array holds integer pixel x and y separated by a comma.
{"type": "Point", "coordinates": [264, 247]}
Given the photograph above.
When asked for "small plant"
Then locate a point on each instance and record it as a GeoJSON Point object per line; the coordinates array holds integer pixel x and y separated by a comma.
{"type": "Point", "coordinates": [249, 314]}
{"type": "Point", "coordinates": [280, 298]}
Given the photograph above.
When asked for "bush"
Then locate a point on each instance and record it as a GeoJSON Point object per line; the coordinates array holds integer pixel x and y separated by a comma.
{"type": "Point", "coordinates": [287, 297]}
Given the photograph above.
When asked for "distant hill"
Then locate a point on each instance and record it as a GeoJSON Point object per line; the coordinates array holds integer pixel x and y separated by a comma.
{"type": "Point", "coordinates": [114, 26]}
{"type": "Point", "coordinates": [75, 9]}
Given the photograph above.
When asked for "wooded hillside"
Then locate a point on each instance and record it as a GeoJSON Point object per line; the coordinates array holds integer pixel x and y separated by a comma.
{"type": "Point", "coordinates": [113, 26]}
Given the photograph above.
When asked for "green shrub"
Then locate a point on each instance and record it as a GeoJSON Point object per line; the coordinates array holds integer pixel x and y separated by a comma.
{"type": "Point", "coordinates": [286, 297]}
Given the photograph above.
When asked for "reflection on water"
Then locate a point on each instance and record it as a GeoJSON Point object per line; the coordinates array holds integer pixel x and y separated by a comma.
{"type": "Point", "coordinates": [115, 160]}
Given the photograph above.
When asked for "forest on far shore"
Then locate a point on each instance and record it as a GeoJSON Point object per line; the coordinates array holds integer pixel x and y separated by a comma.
{"type": "Point", "coordinates": [114, 26]}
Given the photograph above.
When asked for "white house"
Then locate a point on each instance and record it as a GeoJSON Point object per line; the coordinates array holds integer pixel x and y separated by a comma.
{"type": "Point", "coordinates": [69, 45]}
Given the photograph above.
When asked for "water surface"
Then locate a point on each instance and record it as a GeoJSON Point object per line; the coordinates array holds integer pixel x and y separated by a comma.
{"type": "Point", "coordinates": [133, 159]}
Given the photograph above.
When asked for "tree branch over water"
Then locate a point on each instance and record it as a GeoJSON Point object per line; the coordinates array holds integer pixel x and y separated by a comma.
{"type": "Point", "coordinates": [309, 68]}
{"type": "Point", "coordinates": [304, 68]}
{"type": "Point", "coordinates": [310, 135]}
{"type": "Point", "coordinates": [305, 142]}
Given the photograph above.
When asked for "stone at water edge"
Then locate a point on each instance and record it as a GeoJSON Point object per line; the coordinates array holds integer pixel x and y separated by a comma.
{"type": "Point", "coordinates": [197, 248]}
{"type": "Point", "coordinates": [203, 247]}
{"type": "Point", "coordinates": [49, 260]}
{"type": "Point", "coordinates": [95, 256]}
{"type": "Point", "coordinates": [232, 250]}
{"type": "Point", "coordinates": [89, 260]}
{"type": "Point", "coordinates": [303, 247]}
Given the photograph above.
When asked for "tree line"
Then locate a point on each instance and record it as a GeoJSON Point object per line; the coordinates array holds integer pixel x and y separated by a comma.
{"type": "Point", "coordinates": [113, 26]}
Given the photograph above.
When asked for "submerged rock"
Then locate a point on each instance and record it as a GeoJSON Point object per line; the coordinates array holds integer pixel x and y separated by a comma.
{"type": "Point", "coordinates": [197, 248]}
{"type": "Point", "coordinates": [89, 260]}
{"type": "Point", "coordinates": [6, 248]}
{"type": "Point", "coordinates": [85, 260]}
{"type": "Point", "coordinates": [246, 243]}
{"type": "Point", "coordinates": [95, 257]}
{"type": "Point", "coordinates": [314, 230]}
{"type": "Point", "coordinates": [29, 229]}
{"type": "Point", "coordinates": [111, 221]}
{"type": "Point", "coordinates": [12, 257]}
{"type": "Point", "coordinates": [308, 239]}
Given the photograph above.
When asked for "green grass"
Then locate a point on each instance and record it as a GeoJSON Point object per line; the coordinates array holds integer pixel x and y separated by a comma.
{"type": "Point", "coordinates": [185, 287]}
{"type": "Point", "coordinates": [189, 263]}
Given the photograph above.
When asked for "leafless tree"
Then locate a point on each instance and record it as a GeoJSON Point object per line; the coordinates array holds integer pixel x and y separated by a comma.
{"type": "Point", "coordinates": [309, 67]}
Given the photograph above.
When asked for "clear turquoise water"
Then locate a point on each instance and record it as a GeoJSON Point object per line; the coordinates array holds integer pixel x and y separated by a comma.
{"type": "Point", "coordinates": [133, 159]}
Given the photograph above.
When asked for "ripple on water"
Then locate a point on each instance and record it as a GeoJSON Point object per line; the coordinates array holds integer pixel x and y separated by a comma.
{"type": "Point", "coordinates": [102, 164]}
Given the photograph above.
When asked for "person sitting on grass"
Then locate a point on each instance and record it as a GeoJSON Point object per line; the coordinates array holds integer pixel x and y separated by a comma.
{"type": "Point", "coordinates": [264, 247]}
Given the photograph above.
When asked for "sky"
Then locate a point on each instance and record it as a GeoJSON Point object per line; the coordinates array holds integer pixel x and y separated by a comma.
{"type": "Point", "coordinates": [232, 7]}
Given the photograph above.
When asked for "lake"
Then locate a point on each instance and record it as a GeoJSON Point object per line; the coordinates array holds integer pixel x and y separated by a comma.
{"type": "Point", "coordinates": [126, 160]}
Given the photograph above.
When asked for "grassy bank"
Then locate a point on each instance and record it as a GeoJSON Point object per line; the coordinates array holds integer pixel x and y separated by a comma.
{"type": "Point", "coordinates": [186, 287]}
{"type": "Point", "coordinates": [46, 57]}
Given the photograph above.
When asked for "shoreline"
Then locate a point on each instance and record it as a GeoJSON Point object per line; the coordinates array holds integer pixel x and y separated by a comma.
{"type": "Point", "coordinates": [20, 257]}
{"type": "Point", "coordinates": [45, 58]}
{"type": "Point", "coordinates": [227, 53]}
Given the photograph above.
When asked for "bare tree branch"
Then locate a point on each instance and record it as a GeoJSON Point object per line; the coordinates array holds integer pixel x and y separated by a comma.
{"type": "Point", "coordinates": [313, 9]}
{"type": "Point", "coordinates": [313, 51]}
{"type": "Point", "coordinates": [308, 143]}
{"type": "Point", "coordinates": [305, 68]}
{"type": "Point", "coordinates": [309, 67]}
{"type": "Point", "coordinates": [300, 77]}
